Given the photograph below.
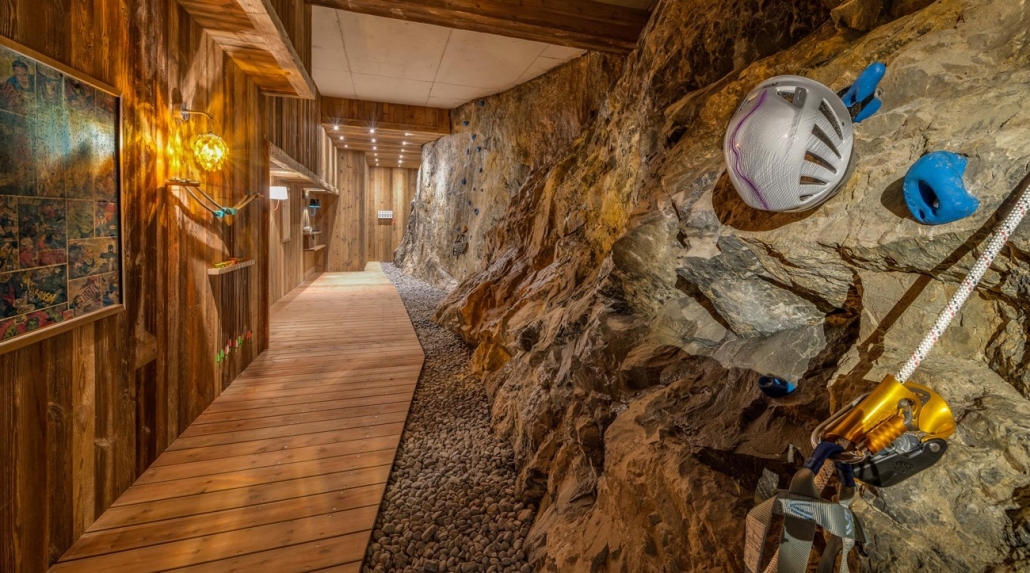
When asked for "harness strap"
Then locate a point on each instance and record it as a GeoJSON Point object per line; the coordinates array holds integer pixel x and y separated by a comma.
{"type": "Point", "coordinates": [802, 510]}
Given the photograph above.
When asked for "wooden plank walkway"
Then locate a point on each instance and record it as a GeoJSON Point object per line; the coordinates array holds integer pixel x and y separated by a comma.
{"type": "Point", "coordinates": [286, 469]}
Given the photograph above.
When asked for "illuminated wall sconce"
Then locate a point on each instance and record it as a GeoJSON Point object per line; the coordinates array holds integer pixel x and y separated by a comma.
{"type": "Point", "coordinates": [278, 193]}
{"type": "Point", "coordinates": [209, 150]}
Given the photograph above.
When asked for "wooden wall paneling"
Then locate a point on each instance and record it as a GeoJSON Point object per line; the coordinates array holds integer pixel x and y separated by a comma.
{"type": "Point", "coordinates": [251, 32]}
{"type": "Point", "coordinates": [286, 259]}
{"type": "Point", "coordinates": [9, 466]}
{"type": "Point", "coordinates": [346, 250]}
{"type": "Point", "coordinates": [81, 413]}
{"type": "Point", "coordinates": [582, 24]}
{"type": "Point", "coordinates": [83, 430]}
{"type": "Point", "coordinates": [389, 189]}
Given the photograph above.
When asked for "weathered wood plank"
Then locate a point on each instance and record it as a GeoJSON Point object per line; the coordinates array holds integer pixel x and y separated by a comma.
{"type": "Point", "coordinates": [250, 31]}
{"type": "Point", "coordinates": [575, 23]}
{"type": "Point", "coordinates": [277, 465]}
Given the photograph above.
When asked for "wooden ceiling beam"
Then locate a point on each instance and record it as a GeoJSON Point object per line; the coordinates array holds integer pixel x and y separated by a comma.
{"type": "Point", "coordinates": [575, 23]}
{"type": "Point", "coordinates": [352, 113]}
{"type": "Point", "coordinates": [254, 37]}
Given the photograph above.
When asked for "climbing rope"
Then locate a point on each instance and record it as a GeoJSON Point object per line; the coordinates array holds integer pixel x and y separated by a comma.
{"type": "Point", "coordinates": [967, 287]}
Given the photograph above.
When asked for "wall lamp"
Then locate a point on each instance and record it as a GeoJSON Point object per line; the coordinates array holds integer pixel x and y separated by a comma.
{"type": "Point", "coordinates": [278, 193]}
{"type": "Point", "coordinates": [209, 150]}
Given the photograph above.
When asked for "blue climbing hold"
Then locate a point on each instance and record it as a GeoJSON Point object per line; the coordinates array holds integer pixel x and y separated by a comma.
{"type": "Point", "coordinates": [861, 98]}
{"type": "Point", "coordinates": [934, 191]}
{"type": "Point", "coordinates": [476, 210]}
{"type": "Point", "coordinates": [464, 181]}
{"type": "Point", "coordinates": [775, 387]}
{"type": "Point", "coordinates": [473, 137]}
{"type": "Point", "coordinates": [465, 123]}
{"type": "Point", "coordinates": [479, 149]}
{"type": "Point", "coordinates": [482, 102]}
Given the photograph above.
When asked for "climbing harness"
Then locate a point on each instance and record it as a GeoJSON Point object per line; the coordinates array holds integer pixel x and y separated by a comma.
{"type": "Point", "coordinates": [802, 510]}
{"type": "Point", "coordinates": [881, 438]}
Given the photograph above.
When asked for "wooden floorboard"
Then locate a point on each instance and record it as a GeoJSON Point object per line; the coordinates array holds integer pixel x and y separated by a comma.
{"type": "Point", "coordinates": [286, 469]}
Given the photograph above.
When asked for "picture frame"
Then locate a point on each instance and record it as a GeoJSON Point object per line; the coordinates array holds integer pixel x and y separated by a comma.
{"type": "Point", "coordinates": [61, 181]}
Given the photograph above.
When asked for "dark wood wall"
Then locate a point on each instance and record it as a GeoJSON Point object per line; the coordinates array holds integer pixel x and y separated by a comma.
{"type": "Point", "coordinates": [286, 258]}
{"type": "Point", "coordinates": [84, 412]}
{"type": "Point", "coordinates": [346, 244]}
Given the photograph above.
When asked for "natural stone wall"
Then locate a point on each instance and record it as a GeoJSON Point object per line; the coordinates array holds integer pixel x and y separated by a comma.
{"type": "Point", "coordinates": [467, 178]}
{"type": "Point", "coordinates": [625, 301]}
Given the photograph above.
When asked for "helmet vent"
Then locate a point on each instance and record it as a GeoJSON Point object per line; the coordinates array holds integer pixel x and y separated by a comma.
{"type": "Point", "coordinates": [827, 112]}
{"type": "Point", "coordinates": [821, 136]}
{"type": "Point", "coordinates": [806, 180]}
{"type": "Point", "coordinates": [804, 198]}
{"type": "Point", "coordinates": [789, 96]}
{"type": "Point", "coordinates": [813, 158]}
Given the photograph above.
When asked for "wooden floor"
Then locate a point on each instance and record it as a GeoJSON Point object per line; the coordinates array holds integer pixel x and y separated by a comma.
{"type": "Point", "coordinates": [286, 469]}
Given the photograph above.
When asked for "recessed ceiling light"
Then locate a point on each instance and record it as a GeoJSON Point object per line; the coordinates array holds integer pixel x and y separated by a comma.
{"type": "Point", "coordinates": [341, 138]}
{"type": "Point", "coordinates": [373, 140]}
{"type": "Point", "coordinates": [346, 146]}
{"type": "Point", "coordinates": [377, 155]}
{"type": "Point", "coordinates": [404, 143]}
{"type": "Point", "coordinates": [374, 148]}
{"type": "Point", "coordinates": [407, 134]}
{"type": "Point", "coordinates": [336, 128]}
{"type": "Point", "coordinates": [372, 130]}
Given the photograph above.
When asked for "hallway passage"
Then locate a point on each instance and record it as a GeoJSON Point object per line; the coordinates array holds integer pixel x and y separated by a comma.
{"type": "Point", "coordinates": [286, 469]}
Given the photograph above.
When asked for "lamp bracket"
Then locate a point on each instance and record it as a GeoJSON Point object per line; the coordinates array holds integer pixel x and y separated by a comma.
{"type": "Point", "coordinates": [186, 112]}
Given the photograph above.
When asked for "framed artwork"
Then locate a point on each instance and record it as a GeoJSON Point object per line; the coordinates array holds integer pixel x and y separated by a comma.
{"type": "Point", "coordinates": [60, 197]}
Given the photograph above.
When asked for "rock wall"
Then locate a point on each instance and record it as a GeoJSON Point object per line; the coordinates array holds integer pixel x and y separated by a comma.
{"type": "Point", "coordinates": [467, 179]}
{"type": "Point", "coordinates": [623, 299]}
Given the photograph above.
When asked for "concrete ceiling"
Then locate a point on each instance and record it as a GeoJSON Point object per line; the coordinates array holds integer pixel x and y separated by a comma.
{"type": "Point", "coordinates": [372, 58]}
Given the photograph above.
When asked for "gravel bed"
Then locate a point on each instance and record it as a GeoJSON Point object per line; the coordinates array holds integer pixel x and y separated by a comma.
{"type": "Point", "coordinates": [450, 503]}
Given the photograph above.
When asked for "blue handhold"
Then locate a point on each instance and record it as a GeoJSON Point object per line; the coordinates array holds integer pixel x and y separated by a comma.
{"type": "Point", "coordinates": [473, 137]}
{"type": "Point", "coordinates": [862, 93]}
{"type": "Point", "coordinates": [464, 181]}
{"type": "Point", "coordinates": [482, 102]}
{"type": "Point", "coordinates": [476, 210]}
{"type": "Point", "coordinates": [479, 149]}
{"type": "Point", "coordinates": [220, 213]}
{"type": "Point", "coordinates": [934, 191]}
{"type": "Point", "coordinates": [465, 123]}
{"type": "Point", "coordinates": [775, 387]}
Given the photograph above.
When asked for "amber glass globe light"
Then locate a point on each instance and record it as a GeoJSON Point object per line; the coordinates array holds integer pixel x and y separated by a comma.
{"type": "Point", "coordinates": [210, 151]}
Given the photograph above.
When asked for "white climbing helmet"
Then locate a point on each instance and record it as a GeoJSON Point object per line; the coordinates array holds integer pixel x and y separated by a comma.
{"type": "Point", "coordinates": [789, 146]}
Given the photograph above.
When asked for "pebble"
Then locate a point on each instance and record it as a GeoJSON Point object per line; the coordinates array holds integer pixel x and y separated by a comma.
{"type": "Point", "coordinates": [450, 502]}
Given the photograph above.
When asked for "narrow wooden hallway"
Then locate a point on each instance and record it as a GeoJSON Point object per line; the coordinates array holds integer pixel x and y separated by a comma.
{"type": "Point", "coordinates": [286, 469]}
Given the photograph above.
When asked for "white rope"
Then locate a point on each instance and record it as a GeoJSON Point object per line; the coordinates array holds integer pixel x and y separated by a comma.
{"type": "Point", "coordinates": [997, 241]}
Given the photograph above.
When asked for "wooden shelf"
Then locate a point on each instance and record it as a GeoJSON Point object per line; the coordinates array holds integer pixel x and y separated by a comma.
{"type": "Point", "coordinates": [315, 248]}
{"type": "Point", "coordinates": [231, 268]}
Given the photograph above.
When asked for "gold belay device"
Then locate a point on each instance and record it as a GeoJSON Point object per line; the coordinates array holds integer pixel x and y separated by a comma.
{"type": "Point", "coordinates": [881, 438]}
